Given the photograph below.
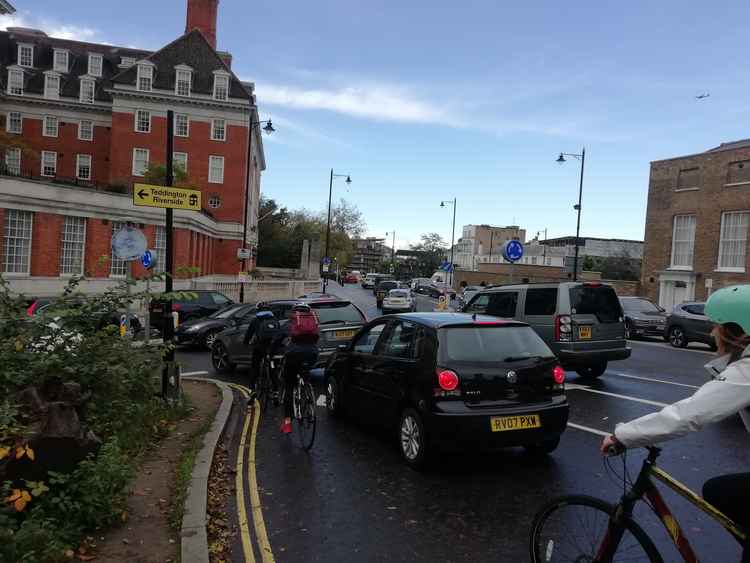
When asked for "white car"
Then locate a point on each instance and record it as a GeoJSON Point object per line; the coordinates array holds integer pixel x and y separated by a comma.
{"type": "Point", "coordinates": [399, 300]}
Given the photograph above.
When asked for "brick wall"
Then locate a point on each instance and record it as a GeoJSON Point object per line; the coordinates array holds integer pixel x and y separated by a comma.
{"type": "Point", "coordinates": [45, 244]}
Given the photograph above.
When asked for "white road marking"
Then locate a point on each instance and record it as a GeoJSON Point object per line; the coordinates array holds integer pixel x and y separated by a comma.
{"type": "Point", "coordinates": [576, 387]}
{"type": "Point", "coordinates": [666, 346]}
{"type": "Point", "coordinates": [618, 374]}
{"type": "Point", "coordinates": [321, 402]}
{"type": "Point", "coordinates": [193, 373]}
{"type": "Point", "coordinates": [590, 430]}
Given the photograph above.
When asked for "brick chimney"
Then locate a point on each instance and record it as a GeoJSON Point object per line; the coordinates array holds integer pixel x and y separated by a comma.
{"type": "Point", "coordinates": [202, 15]}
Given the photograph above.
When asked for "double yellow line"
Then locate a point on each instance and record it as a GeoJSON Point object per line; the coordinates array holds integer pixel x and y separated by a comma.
{"type": "Point", "coordinates": [257, 512]}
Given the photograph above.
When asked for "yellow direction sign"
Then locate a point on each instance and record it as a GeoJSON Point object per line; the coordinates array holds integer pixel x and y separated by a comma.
{"type": "Point", "coordinates": [148, 195]}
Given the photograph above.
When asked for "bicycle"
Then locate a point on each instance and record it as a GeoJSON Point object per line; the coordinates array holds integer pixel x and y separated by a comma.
{"type": "Point", "coordinates": [268, 379]}
{"type": "Point", "coordinates": [562, 530]}
{"type": "Point", "coordinates": [303, 407]}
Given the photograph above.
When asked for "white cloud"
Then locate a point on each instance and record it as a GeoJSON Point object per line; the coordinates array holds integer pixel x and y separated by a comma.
{"type": "Point", "coordinates": [51, 28]}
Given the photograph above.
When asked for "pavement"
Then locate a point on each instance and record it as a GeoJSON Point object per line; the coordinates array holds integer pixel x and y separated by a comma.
{"type": "Point", "coordinates": [352, 498]}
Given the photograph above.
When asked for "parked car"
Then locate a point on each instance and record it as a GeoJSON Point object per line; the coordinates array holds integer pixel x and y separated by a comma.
{"type": "Point", "coordinates": [688, 323]}
{"type": "Point", "coordinates": [339, 321]}
{"type": "Point", "coordinates": [97, 320]}
{"type": "Point", "coordinates": [582, 322]}
{"type": "Point", "coordinates": [202, 332]}
{"type": "Point", "coordinates": [642, 317]}
{"type": "Point", "coordinates": [202, 302]}
{"type": "Point", "coordinates": [368, 282]}
{"type": "Point", "coordinates": [418, 283]}
{"type": "Point", "coordinates": [350, 278]}
{"type": "Point", "coordinates": [447, 380]}
{"type": "Point", "coordinates": [437, 289]}
{"type": "Point", "coordinates": [382, 289]}
{"type": "Point", "coordinates": [398, 301]}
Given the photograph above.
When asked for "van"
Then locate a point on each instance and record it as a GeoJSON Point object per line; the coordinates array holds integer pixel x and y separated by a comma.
{"type": "Point", "coordinates": [582, 322]}
{"type": "Point", "coordinates": [368, 282]}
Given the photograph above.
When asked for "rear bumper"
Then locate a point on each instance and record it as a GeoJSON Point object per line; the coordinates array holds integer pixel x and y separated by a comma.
{"type": "Point", "coordinates": [571, 358]}
{"type": "Point", "coordinates": [655, 330]}
{"type": "Point", "coordinates": [450, 431]}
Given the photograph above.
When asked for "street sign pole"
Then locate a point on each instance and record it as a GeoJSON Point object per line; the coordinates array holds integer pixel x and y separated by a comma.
{"type": "Point", "coordinates": [168, 329]}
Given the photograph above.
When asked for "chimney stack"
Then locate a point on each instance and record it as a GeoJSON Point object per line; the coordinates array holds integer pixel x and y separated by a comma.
{"type": "Point", "coordinates": [202, 15]}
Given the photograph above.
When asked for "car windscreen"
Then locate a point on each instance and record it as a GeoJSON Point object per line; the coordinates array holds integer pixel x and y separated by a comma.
{"type": "Point", "coordinates": [337, 312]}
{"type": "Point", "coordinates": [398, 293]}
{"type": "Point", "coordinates": [598, 300]}
{"type": "Point", "coordinates": [388, 285]}
{"type": "Point", "coordinates": [226, 312]}
{"type": "Point", "coordinates": [492, 343]}
{"type": "Point", "coordinates": [639, 306]}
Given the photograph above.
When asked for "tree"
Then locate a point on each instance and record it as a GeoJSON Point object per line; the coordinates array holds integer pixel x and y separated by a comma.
{"type": "Point", "coordinates": [156, 174]}
{"type": "Point", "coordinates": [429, 253]}
{"type": "Point", "coordinates": [347, 218]}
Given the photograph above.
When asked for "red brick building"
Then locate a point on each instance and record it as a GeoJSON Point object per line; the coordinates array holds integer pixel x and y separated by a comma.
{"type": "Point", "coordinates": [94, 118]}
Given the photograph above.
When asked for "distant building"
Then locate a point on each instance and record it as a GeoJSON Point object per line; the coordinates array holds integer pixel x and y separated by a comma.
{"type": "Point", "coordinates": [368, 254]}
{"type": "Point", "coordinates": [6, 7]}
{"type": "Point", "coordinates": [479, 240]}
{"type": "Point", "coordinates": [708, 195]}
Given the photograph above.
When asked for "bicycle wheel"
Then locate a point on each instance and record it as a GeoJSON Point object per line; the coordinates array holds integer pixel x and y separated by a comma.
{"type": "Point", "coordinates": [264, 385]}
{"type": "Point", "coordinates": [306, 411]}
{"type": "Point", "coordinates": [572, 528]}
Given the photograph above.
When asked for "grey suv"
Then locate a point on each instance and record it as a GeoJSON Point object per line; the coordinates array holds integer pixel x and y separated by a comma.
{"type": "Point", "coordinates": [581, 321]}
{"type": "Point", "coordinates": [688, 323]}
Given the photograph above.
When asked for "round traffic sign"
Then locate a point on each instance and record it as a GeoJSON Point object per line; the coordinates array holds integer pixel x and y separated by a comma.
{"type": "Point", "coordinates": [149, 259]}
{"type": "Point", "coordinates": [513, 250]}
{"type": "Point", "coordinates": [128, 244]}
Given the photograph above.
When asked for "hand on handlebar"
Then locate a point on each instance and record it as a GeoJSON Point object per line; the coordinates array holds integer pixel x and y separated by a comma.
{"type": "Point", "coordinates": [611, 446]}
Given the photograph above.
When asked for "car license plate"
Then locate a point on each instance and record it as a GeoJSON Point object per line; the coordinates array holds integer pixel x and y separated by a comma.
{"type": "Point", "coordinates": [342, 334]}
{"type": "Point", "coordinates": [584, 332]}
{"type": "Point", "coordinates": [504, 423]}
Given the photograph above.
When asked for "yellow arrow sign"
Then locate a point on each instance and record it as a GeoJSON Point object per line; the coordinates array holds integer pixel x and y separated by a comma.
{"type": "Point", "coordinates": [147, 195]}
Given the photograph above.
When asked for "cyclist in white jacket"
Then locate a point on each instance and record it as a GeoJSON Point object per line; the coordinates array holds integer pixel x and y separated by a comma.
{"type": "Point", "coordinates": [728, 393]}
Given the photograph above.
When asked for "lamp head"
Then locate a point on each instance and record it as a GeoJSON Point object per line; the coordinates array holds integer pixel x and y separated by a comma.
{"type": "Point", "coordinates": [561, 159]}
{"type": "Point", "coordinates": [348, 179]}
{"type": "Point", "coordinates": [269, 127]}
{"type": "Point", "coordinates": [442, 204]}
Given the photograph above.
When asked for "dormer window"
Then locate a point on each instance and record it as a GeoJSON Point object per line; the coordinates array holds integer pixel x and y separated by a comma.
{"type": "Point", "coordinates": [15, 81]}
{"type": "Point", "coordinates": [145, 77]}
{"type": "Point", "coordinates": [88, 87]}
{"type": "Point", "coordinates": [183, 80]}
{"type": "Point", "coordinates": [127, 62]}
{"type": "Point", "coordinates": [52, 86]}
{"type": "Point", "coordinates": [60, 63]}
{"type": "Point", "coordinates": [221, 85]}
{"type": "Point", "coordinates": [96, 61]}
{"type": "Point", "coordinates": [26, 55]}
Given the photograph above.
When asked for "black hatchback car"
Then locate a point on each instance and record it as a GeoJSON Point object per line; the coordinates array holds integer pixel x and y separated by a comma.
{"type": "Point", "coordinates": [202, 332]}
{"type": "Point", "coordinates": [448, 380]}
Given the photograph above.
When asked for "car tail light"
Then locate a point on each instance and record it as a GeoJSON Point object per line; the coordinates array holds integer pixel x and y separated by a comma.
{"type": "Point", "coordinates": [176, 306]}
{"type": "Point", "coordinates": [31, 309]}
{"type": "Point", "coordinates": [563, 328]}
{"type": "Point", "coordinates": [559, 374]}
{"type": "Point", "coordinates": [447, 379]}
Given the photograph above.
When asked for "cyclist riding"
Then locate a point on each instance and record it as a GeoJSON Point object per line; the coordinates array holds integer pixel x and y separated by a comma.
{"type": "Point", "coordinates": [260, 336]}
{"type": "Point", "coordinates": [302, 352]}
{"type": "Point", "coordinates": [726, 394]}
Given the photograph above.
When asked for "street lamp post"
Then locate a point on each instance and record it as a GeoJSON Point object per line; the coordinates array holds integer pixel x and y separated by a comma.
{"type": "Point", "coordinates": [582, 158]}
{"type": "Point", "coordinates": [268, 129]}
{"type": "Point", "coordinates": [393, 251]}
{"type": "Point", "coordinates": [453, 231]}
{"type": "Point", "coordinates": [328, 227]}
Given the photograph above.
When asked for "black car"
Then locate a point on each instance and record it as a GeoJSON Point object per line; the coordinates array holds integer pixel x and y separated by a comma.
{"type": "Point", "coordinates": [642, 317]}
{"type": "Point", "coordinates": [381, 290]}
{"type": "Point", "coordinates": [448, 380]}
{"type": "Point", "coordinates": [202, 332]}
{"type": "Point", "coordinates": [689, 323]}
{"type": "Point", "coordinates": [96, 321]}
{"type": "Point", "coordinates": [201, 303]}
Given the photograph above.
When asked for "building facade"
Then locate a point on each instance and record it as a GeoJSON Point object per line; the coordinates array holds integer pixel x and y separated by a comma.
{"type": "Point", "coordinates": [368, 254]}
{"type": "Point", "coordinates": [696, 224]}
{"type": "Point", "coordinates": [6, 7]}
{"type": "Point", "coordinates": [483, 243]}
{"type": "Point", "coordinates": [85, 122]}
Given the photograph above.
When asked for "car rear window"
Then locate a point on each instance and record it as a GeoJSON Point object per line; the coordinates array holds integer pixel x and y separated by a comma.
{"type": "Point", "coordinates": [639, 306]}
{"type": "Point", "coordinates": [491, 343]}
{"type": "Point", "coordinates": [598, 300]}
{"type": "Point", "coordinates": [388, 285]}
{"type": "Point", "coordinates": [398, 293]}
{"type": "Point", "coordinates": [541, 301]}
{"type": "Point", "coordinates": [329, 313]}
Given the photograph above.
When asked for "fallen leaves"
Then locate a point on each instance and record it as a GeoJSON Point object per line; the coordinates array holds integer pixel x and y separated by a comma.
{"type": "Point", "coordinates": [220, 532]}
{"type": "Point", "coordinates": [19, 498]}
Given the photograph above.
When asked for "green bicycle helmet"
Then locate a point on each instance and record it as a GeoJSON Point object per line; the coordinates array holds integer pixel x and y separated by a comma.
{"type": "Point", "coordinates": [730, 305]}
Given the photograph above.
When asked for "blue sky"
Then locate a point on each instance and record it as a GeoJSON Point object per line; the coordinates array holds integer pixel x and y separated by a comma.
{"type": "Point", "coordinates": [422, 101]}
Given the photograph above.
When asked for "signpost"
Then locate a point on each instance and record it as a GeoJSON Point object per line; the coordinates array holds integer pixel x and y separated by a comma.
{"type": "Point", "coordinates": [148, 195]}
{"type": "Point", "coordinates": [512, 252]}
{"type": "Point", "coordinates": [128, 244]}
{"type": "Point", "coordinates": [149, 261]}
{"type": "Point", "coordinates": [243, 254]}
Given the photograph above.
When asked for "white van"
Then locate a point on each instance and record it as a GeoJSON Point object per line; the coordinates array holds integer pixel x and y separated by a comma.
{"type": "Point", "coordinates": [368, 282]}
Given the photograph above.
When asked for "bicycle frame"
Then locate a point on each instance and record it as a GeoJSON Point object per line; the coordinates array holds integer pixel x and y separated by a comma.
{"type": "Point", "coordinates": [644, 487]}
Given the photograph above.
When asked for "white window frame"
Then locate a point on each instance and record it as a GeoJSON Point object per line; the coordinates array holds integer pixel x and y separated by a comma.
{"type": "Point", "coordinates": [9, 120]}
{"type": "Point", "coordinates": [19, 228]}
{"type": "Point", "coordinates": [81, 137]}
{"type": "Point", "coordinates": [72, 246]}
{"type": "Point", "coordinates": [724, 242]}
{"type": "Point", "coordinates": [83, 157]}
{"type": "Point", "coordinates": [50, 92]}
{"type": "Point", "coordinates": [212, 179]}
{"type": "Point", "coordinates": [187, 125]}
{"type": "Point", "coordinates": [146, 114]}
{"type": "Point", "coordinates": [87, 99]}
{"type": "Point", "coordinates": [57, 65]}
{"type": "Point", "coordinates": [183, 157]}
{"type": "Point", "coordinates": [145, 72]}
{"type": "Point", "coordinates": [127, 62]}
{"type": "Point", "coordinates": [221, 79]}
{"type": "Point", "coordinates": [690, 243]}
{"type": "Point", "coordinates": [117, 268]}
{"type": "Point", "coordinates": [43, 159]}
{"type": "Point", "coordinates": [160, 245]}
{"type": "Point", "coordinates": [22, 58]}
{"type": "Point", "coordinates": [183, 75]}
{"type": "Point", "coordinates": [13, 163]}
{"type": "Point", "coordinates": [96, 65]}
{"type": "Point", "coordinates": [16, 77]}
{"type": "Point", "coordinates": [47, 129]}
{"type": "Point", "coordinates": [223, 130]}
{"type": "Point", "coordinates": [136, 171]}
{"type": "Point", "coordinates": [214, 202]}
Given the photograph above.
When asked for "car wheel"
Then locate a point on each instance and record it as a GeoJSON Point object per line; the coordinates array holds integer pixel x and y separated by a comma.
{"type": "Point", "coordinates": [412, 439]}
{"type": "Point", "coordinates": [220, 358]}
{"type": "Point", "coordinates": [543, 448]}
{"type": "Point", "coordinates": [210, 338]}
{"type": "Point", "coordinates": [677, 337]}
{"type": "Point", "coordinates": [333, 397]}
{"type": "Point", "coordinates": [593, 371]}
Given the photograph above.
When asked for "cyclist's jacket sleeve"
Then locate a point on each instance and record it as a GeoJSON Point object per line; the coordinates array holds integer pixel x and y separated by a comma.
{"type": "Point", "coordinates": [726, 395]}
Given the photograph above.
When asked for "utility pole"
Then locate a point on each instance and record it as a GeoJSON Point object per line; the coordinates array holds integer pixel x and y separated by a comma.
{"type": "Point", "coordinates": [170, 379]}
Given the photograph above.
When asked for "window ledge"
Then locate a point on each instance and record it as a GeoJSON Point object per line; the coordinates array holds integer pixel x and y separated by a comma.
{"type": "Point", "coordinates": [686, 189]}
{"type": "Point", "coordinates": [730, 270]}
{"type": "Point", "coordinates": [680, 268]}
{"type": "Point", "coordinates": [735, 184]}
{"type": "Point", "coordinates": [16, 274]}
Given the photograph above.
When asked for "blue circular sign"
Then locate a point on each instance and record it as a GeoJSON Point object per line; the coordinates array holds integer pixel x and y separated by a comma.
{"type": "Point", "coordinates": [513, 251]}
{"type": "Point", "coordinates": [148, 259]}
